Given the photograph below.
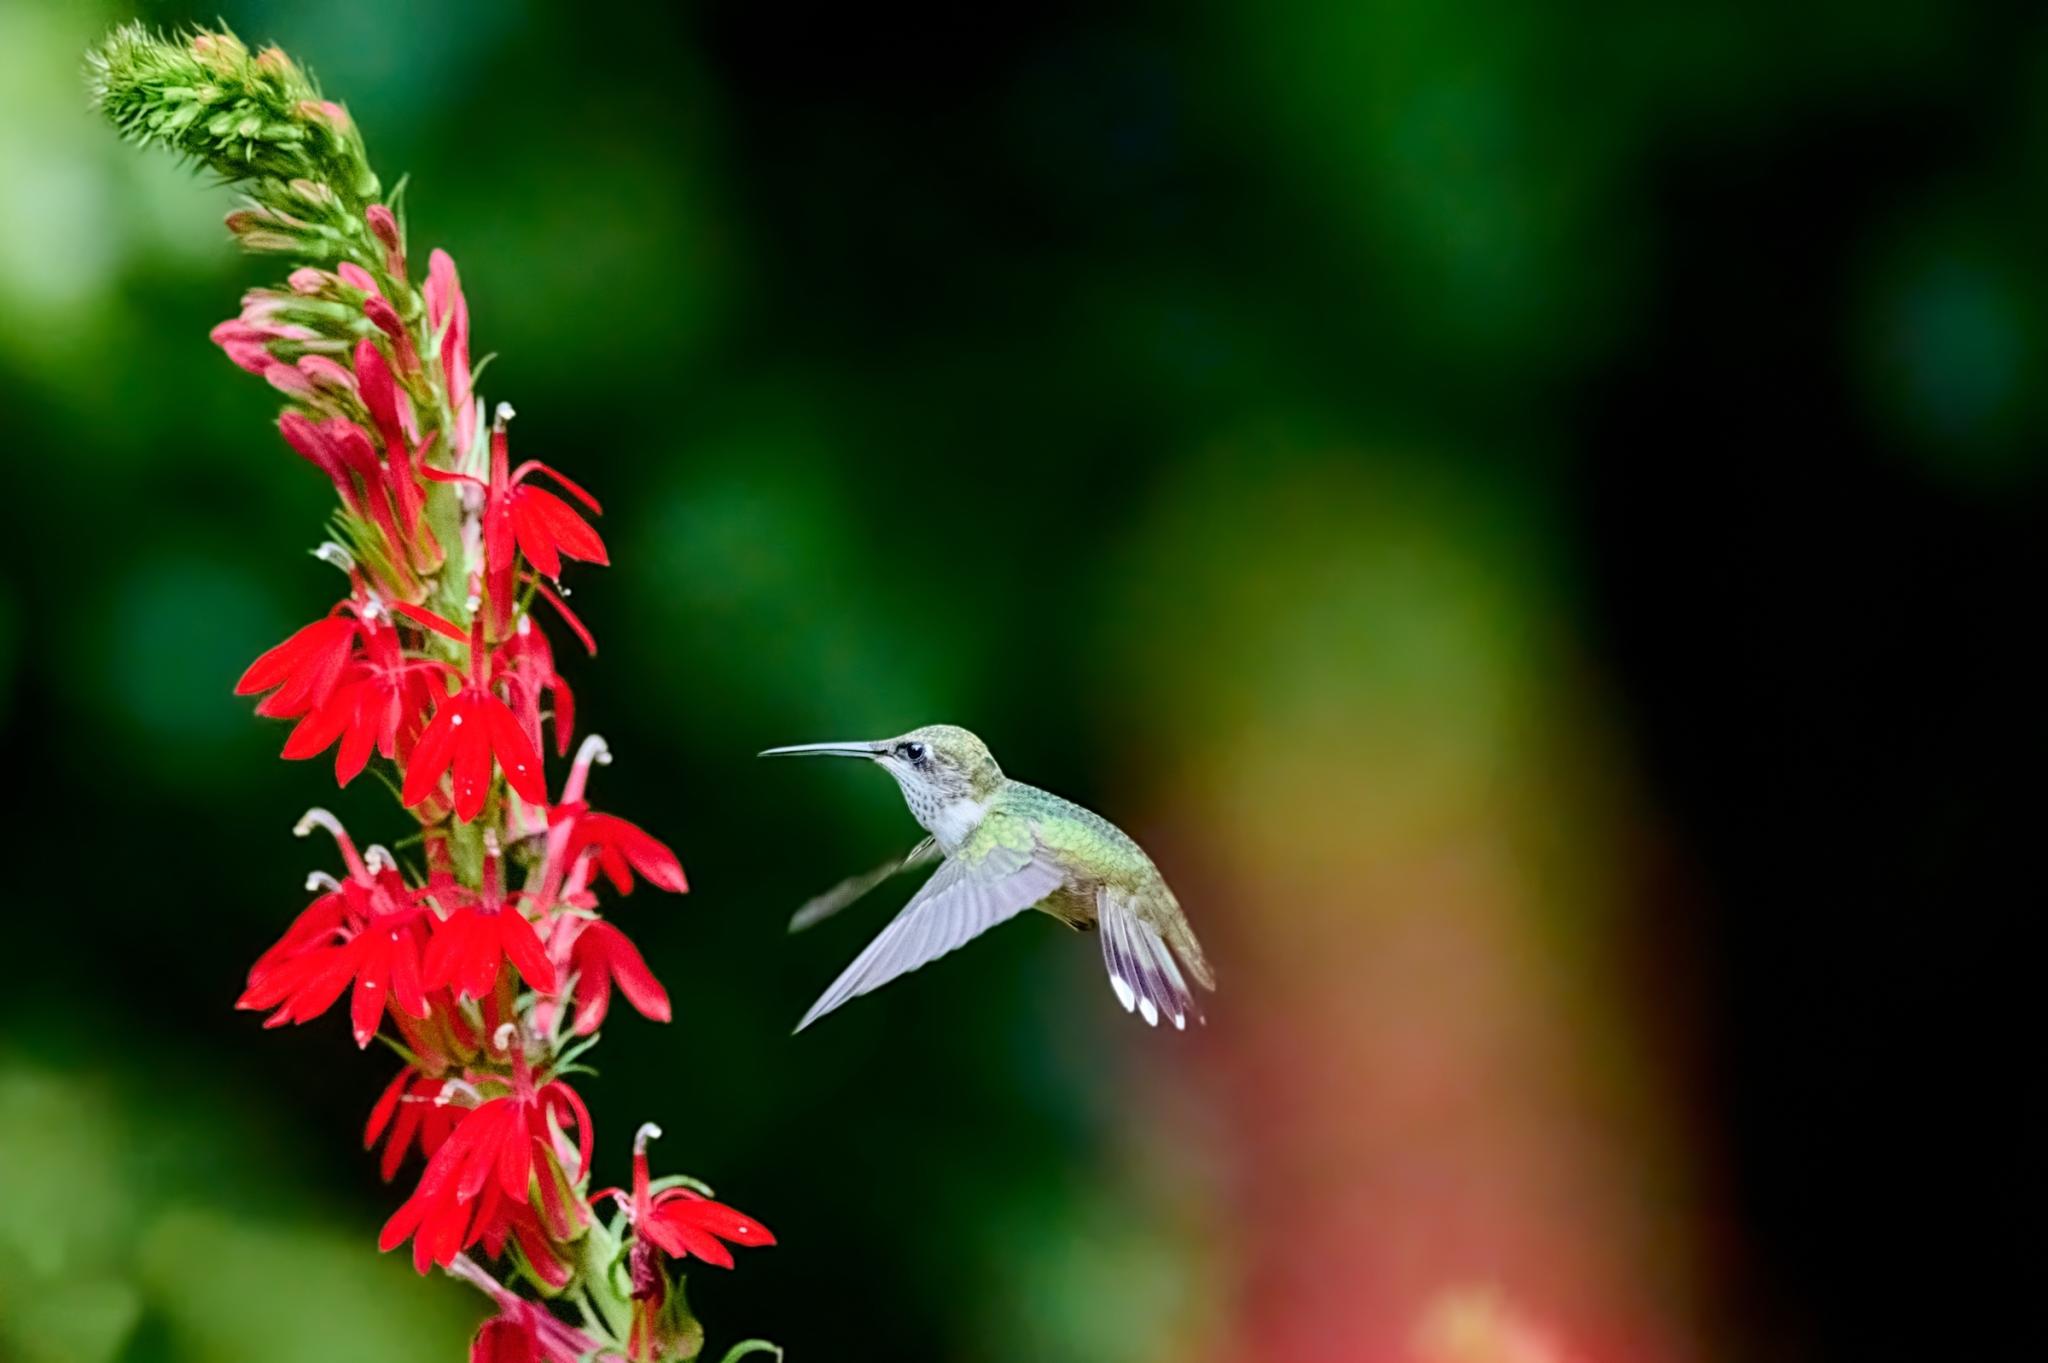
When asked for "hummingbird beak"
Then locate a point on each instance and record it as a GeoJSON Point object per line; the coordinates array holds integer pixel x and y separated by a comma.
{"type": "Point", "coordinates": [867, 750]}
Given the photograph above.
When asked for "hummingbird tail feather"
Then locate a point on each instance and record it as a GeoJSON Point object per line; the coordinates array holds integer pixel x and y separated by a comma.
{"type": "Point", "coordinates": [1142, 971]}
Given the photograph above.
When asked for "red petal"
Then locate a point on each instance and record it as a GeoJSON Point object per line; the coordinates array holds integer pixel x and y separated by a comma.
{"type": "Point", "coordinates": [387, 1103]}
{"type": "Point", "coordinates": [306, 665]}
{"type": "Point", "coordinates": [431, 755]}
{"type": "Point", "coordinates": [565, 717]}
{"type": "Point", "coordinates": [569, 618]}
{"type": "Point", "coordinates": [700, 1244]}
{"type": "Point", "coordinates": [554, 518]}
{"type": "Point", "coordinates": [405, 973]}
{"type": "Point", "coordinates": [727, 1223]}
{"type": "Point", "coordinates": [533, 466]}
{"type": "Point", "coordinates": [522, 948]}
{"type": "Point", "coordinates": [427, 619]}
{"type": "Point", "coordinates": [401, 1136]}
{"type": "Point", "coordinates": [311, 736]}
{"type": "Point", "coordinates": [472, 767]}
{"type": "Point", "coordinates": [642, 990]}
{"type": "Point", "coordinates": [516, 756]}
{"type": "Point", "coordinates": [515, 1161]}
{"type": "Point", "coordinates": [534, 540]}
{"type": "Point", "coordinates": [402, 1223]}
{"type": "Point", "coordinates": [366, 1006]}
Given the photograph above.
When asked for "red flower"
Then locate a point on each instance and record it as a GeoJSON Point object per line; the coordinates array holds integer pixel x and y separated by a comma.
{"type": "Point", "coordinates": [682, 1222]}
{"type": "Point", "coordinates": [503, 1153]}
{"type": "Point", "coordinates": [475, 939]}
{"type": "Point", "coordinates": [300, 672]}
{"type": "Point", "coordinates": [375, 709]}
{"type": "Point", "coordinates": [412, 1109]}
{"type": "Point", "coordinates": [527, 661]}
{"type": "Point", "coordinates": [469, 730]}
{"type": "Point", "coordinates": [363, 932]}
{"type": "Point", "coordinates": [619, 848]}
{"type": "Point", "coordinates": [600, 956]}
{"type": "Point", "coordinates": [539, 524]}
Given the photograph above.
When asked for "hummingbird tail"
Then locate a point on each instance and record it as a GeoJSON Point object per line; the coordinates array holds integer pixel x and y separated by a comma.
{"type": "Point", "coordinates": [1142, 970]}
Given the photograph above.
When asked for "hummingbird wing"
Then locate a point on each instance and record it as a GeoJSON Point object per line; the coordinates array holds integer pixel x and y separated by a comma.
{"type": "Point", "coordinates": [995, 877]}
{"type": "Point", "coordinates": [1142, 970]}
{"type": "Point", "coordinates": [820, 907]}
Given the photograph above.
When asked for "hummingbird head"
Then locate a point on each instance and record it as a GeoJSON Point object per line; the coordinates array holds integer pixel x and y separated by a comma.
{"type": "Point", "coordinates": [947, 774]}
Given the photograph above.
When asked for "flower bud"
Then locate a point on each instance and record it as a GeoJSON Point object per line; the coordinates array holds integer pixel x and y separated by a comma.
{"type": "Point", "coordinates": [384, 227]}
{"type": "Point", "coordinates": [328, 376]}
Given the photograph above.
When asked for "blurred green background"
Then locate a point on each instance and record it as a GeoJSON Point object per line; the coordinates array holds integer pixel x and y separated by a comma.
{"type": "Point", "coordinates": [1530, 511]}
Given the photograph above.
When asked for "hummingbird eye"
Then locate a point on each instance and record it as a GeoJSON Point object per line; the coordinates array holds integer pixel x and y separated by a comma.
{"type": "Point", "coordinates": [912, 753]}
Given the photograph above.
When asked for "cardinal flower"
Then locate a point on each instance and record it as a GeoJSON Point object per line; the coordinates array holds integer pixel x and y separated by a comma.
{"type": "Point", "coordinates": [412, 1110]}
{"type": "Point", "coordinates": [620, 848]}
{"type": "Point", "coordinates": [531, 519]}
{"type": "Point", "coordinates": [680, 1222]}
{"type": "Point", "coordinates": [503, 1153]}
{"type": "Point", "coordinates": [300, 672]}
{"type": "Point", "coordinates": [601, 955]}
{"type": "Point", "coordinates": [376, 707]}
{"type": "Point", "coordinates": [363, 932]}
{"type": "Point", "coordinates": [470, 729]}
{"type": "Point", "coordinates": [479, 933]}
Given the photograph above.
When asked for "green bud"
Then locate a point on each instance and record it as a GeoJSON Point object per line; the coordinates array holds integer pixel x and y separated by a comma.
{"type": "Point", "coordinates": [256, 119]}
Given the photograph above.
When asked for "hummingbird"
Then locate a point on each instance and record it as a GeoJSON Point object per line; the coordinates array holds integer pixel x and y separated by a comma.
{"type": "Point", "coordinates": [1004, 847]}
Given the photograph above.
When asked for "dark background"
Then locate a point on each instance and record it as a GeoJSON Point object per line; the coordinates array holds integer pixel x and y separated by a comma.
{"type": "Point", "coordinates": [1657, 388]}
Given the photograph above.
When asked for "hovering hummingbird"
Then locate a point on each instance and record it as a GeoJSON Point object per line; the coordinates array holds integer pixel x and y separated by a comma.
{"type": "Point", "coordinates": [1005, 847]}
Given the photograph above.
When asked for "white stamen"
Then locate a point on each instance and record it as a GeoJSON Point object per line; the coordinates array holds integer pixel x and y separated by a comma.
{"type": "Point", "coordinates": [462, 1087]}
{"type": "Point", "coordinates": [317, 817]}
{"type": "Point", "coordinates": [502, 1038]}
{"type": "Point", "coordinates": [648, 1132]}
{"type": "Point", "coordinates": [491, 848]}
{"type": "Point", "coordinates": [334, 555]}
{"type": "Point", "coordinates": [563, 590]}
{"type": "Point", "coordinates": [504, 413]}
{"type": "Point", "coordinates": [594, 750]}
{"type": "Point", "coordinates": [472, 602]}
{"type": "Point", "coordinates": [320, 880]}
{"type": "Point", "coordinates": [374, 609]}
{"type": "Point", "coordinates": [378, 858]}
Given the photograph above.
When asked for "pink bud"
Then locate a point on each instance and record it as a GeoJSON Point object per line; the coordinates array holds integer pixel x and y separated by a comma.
{"type": "Point", "coordinates": [246, 346]}
{"type": "Point", "coordinates": [326, 374]}
{"type": "Point", "coordinates": [356, 277]}
{"type": "Point", "coordinates": [260, 306]}
{"type": "Point", "coordinates": [289, 381]}
{"type": "Point", "coordinates": [383, 225]}
{"type": "Point", "coordinates": [309, 281]}
{"type": "Point", "coordinates": [383, 316]}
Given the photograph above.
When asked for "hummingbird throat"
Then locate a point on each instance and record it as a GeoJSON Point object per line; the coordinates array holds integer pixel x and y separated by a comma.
{"type": "Point", "coordinates": [950, 819]}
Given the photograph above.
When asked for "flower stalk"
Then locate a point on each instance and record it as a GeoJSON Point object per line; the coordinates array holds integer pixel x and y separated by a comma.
{"type": "Point", "coordinates": [482, 960]}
